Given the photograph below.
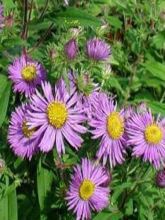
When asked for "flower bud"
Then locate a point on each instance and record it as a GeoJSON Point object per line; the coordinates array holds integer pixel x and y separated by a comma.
{"type": "Point", "coordinates": [1, 17]}
{"type": "Point", "coordinates": [160, 179]}
{"type": "Point", "coordinates": [71, 49]}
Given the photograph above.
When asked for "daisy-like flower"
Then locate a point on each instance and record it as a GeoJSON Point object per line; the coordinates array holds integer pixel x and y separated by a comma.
{"type": "Point", "coordinates": [1, 17]}
{"type": "Point", "coordinates": [26, 75]}
{"type": "Point", "coordinates": [147, 137]}
{"type": "Point", "coordinates": [88, 189]}
{"type": "Point", "coordinates": [97, 49]}
{"type": "Point", "coordinates": [56, 116]}
{"type": "Point", "coordinates": [20, 136]}
{"type": "Point", "coordinates": [108, 124]}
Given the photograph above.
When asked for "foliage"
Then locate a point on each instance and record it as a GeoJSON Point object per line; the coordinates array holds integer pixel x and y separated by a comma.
{"type": "Point", "coordinates": [135, 31]}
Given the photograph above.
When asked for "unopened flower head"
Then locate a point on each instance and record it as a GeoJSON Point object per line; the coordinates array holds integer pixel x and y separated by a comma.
{"type": "Point", "coordinates": [71, 49]}
{"type": "Point", "coordinates": [160, 178]}
{"type": "Point", "coordinates": [1, 17]}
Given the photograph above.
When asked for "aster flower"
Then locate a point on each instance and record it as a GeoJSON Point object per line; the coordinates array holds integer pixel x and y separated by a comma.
{"type": "Point", "coordinates": [57, 117]}
{"type": "Point", "coordinates": [88, 189]}
{"type": "Point", "coordinates": [160, 178]}
{"type": "Point", "coordinates": [20, 136]}
{"type": "Point", "coordinates": [1, 17]}
{"type": "Point", "coordinates": [97, 49]}
{"type": "Point", "coordinates": [89, 103]}
{"type": "Point", "coordinates": [71, 49]}
{"type": "Point", "coordinates": [26, 75]}
{"type": "Point", "coordinates": [147, 137]}
{"type": "Point", "coordinates": [108, 125]}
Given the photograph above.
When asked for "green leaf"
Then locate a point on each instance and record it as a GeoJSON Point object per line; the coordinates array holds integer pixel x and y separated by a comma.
{"type": "Point", "coordinates": [114, 83]}
{"type": "Point", "coordinates": [4, 98]}
{"type": "Point", "coordinates": [102, 215]}
{"type": "Point", "coordinates": [157, 107]}
{"type": "Point", "coordinates": [159, 40]}
{"type": "Point", "coordinates": [107, 216]}
{"type": "Point", "coordinates": [44, 182]}
{"type": "Point", "coordinates": [75, 16]}
{"type": "Point", "coordinates": [115, 22]}
{"type": "Point", "coordinates": [119, 189]}
{"type": "Point", "coordinates": [129, 207]}
{"type": "Point", "coordinates": [156, 69]}
{"type": "Point", "coordinates": [8, 206]}
{"type": "Point", "coordinates": [8, 4]}
{"type": "Point", "coordinates": [3, 84]}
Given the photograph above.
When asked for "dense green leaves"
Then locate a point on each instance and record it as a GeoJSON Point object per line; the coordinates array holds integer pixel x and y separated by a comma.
{"type": "Point", "coordinates": [135, 73]}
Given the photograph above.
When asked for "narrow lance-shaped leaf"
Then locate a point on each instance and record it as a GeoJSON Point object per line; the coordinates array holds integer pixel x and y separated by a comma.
{"type": "Point", "coordinates": [4, 98]}
{"type": "Point", "coordinates": [44, 181]}
{"type": "Point", "coordinates": [8, 205]}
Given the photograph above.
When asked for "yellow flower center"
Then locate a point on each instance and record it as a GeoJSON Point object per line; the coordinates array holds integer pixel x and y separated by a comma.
{"type": "Point", "coordinates": [29, 73]}
{"type": "Point", "coordinates": [153, 134]}
{"type": "Point", "coordinates": [57, 114]}
{"type": "Point", "coordinates": [115, 125]}
{"type": "Point", "coordinates": [26, 131]}
{"type": "Point", "coordinates": [87, 189]}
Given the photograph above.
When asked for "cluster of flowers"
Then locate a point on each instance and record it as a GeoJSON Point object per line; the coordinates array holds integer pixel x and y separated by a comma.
{"type": "Point", "coordinates": [55, 114]}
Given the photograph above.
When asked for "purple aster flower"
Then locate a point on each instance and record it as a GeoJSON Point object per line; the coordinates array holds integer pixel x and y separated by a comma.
{"type": "Point", "coordinates": [20, 136]}
{"type": "Point", "coordinates": [97, 49]}
{"type": "Point", "coordinates": [1, 17]}
{"type": "Point", "coordinates": [57, 117]}
{"type": "Point", "coordinates": [90, 103]}
{"type": "Point", "coordinates": [88, 189]}
{"type": "Point", "coordinates": [108, 124]}
{"type": "Point", "coordinates": [147, 137]}
{"type": "Point", "coordinates": [71, 49]}
{"type": "Point", "coordinates": [160, 178]}
{"type": "Point", "coordinates": [26, 75]}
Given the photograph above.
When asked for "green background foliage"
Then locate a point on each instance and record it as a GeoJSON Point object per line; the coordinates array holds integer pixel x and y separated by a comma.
{"type": "Point", "coordinates": [135, 29]}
